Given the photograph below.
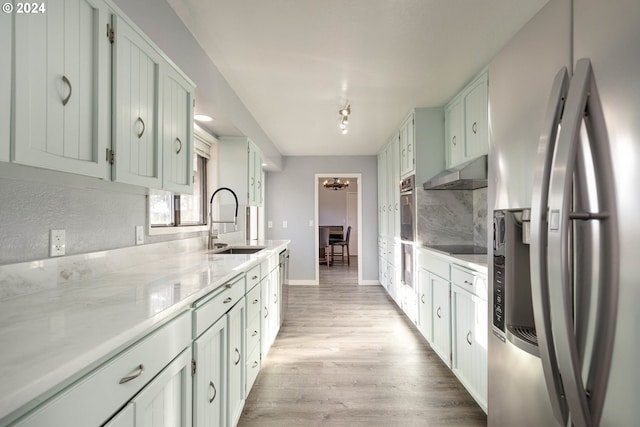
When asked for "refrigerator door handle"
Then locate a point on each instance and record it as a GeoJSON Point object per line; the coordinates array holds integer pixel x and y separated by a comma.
{"type": "Point", "coordinates": [538, 257]}
{"type": "Point", "coordinates": [582, 96]}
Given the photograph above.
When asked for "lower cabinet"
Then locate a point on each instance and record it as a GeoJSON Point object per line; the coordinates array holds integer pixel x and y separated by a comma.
{"type": "Point", "coordinates": [469, 336]}
{"type": "Point", "coordinates": [236, 362]}
{"type": "Point", "coordinates": [441, 342]}
{"type": "Point", "coordinates": [270, 308]}
{"type": "Point", "coordinates": [425, 320]}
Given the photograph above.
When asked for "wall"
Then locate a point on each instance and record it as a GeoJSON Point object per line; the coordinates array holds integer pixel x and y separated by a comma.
{"type": "Point", "coordinates": [291, 197]}
{"type": "Point", "coordinates": [332, 205]}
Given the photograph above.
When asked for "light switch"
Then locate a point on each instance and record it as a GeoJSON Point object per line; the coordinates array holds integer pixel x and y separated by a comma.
{"type": "Point", "coordinates": [284, 224]}
{"type": "Point", "coordinates": [269, 224]}
{"type": "Point", "coordinates": [310, 223]}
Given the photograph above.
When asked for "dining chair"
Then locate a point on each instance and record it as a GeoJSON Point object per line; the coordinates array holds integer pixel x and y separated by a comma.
{"type": "Point", "coordinates": [342, 244]}
{"type": "Point", "coordinates": [324, 246]}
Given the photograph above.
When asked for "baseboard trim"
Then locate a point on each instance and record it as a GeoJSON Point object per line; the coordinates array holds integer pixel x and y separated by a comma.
{"type": "Point", "coordinates": [303, 283]}
{"type": "Point", "coordinates": [370, 283]}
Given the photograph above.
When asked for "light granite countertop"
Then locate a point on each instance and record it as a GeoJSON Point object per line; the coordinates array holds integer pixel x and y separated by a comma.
{"type": "Point", "coordinates": [477, 262]}
{"type": "Point", "coordinates": [77, 315]}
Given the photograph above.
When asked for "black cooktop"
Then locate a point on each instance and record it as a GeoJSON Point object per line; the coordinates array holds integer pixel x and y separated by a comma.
{"type": "Point", "coordinates": [459, 249]}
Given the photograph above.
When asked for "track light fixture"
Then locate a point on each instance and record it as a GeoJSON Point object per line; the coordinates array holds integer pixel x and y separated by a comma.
{"type": "Point", "coordinates": [344, 113]}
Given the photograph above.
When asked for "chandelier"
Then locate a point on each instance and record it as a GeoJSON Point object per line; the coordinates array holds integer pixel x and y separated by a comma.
{"type": "Point", "coordinates": [335, 184]}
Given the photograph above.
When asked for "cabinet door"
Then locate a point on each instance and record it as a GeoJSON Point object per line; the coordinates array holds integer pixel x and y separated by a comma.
{"type": "Point", "coordinates": [258, 177]}
{"type": "Point", "coordinates": [236, 360]}
{"type": "Point", "coordinates": [137, 93]}
{"type": "Point", "coordinates": [393, 189]}
{"type": "Point", "coordinates": [425, 323]}
{"type": "Point", "coordinates": [475, 113]}
{"type": "Point", "coordinates": [454, 133]}
{"type": "Point", "coordinates": [61, 99]}
{"type": "Point", "coordinates": [265, 335]}
{"type": "Point", "coordinates": [6, 41]}
{"type": "Point", "coordinates": [382, 185]}
{"type": "Point", "coordinates": [469, 336]}
{"type": "Point", "coordinates": [407, 147]}
{"type": "Point", "coordinates": [166, 401]}
{"type": "Point", "coordinates": [125, 418]}
{"type": "Point", "coordinates": [210, 387]}
{"type": "Point", "coordinates": [177, 132]}
{"type": "Point", "coordinates": [441, 343]}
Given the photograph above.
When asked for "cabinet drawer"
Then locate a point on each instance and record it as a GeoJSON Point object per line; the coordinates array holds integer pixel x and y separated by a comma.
{"type": "Point", "coordinates": [264, 269]}
{"type": "Point", "coordinates": [253, 277]}
{"type": "Point", "coordinates": [253, 304]}
{"type": "Point", "coordinates": [253, 334]}
{"type": "Point", "coordinates": [96, 397]}
{"type": "Point", "coordinates": [210, 309]}
{"type": "Point", "coordinates": [433, 263]}
{"type": "Point", "coordinates": [253, 367]}
{"type": "Point", "coordinates": [470, 280]}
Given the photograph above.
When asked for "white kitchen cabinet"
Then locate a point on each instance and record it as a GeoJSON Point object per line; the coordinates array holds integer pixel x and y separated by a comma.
{"type": "Point", "coordinates": [177, 131]}
{"type": "Point", "coordinates": [236, 362]}
{"type": "Point", "coordinates": [407, 146]}
{"type": "Point", "coordinates": [166, 401]}
{"type": "Point", "coordinates": [252, 336]}
{"type": "Point", "coordinates": [210, 382]}
{"type": "Point", "coordinates": [240, 169]}
{"type": "Point", "coordinates": [441, 343]}
{"type": "Point", "coordinates": [467, 122]}
{"type": "Point", "coordinates": [6, 42]}
{"type": "Point", "coordinates": [61, 101]}
{"type": "Point", "coordinates": [469, 338]}
{"type": "Point", "coordinates": [454, 134]}
{"type": "Point", "coordinates": [136, 114]}
{"type": "Point", "coordinates": [270, 296]}
{"type": "Point", "coordinates": [95, 398]}
{"type": "Point", "coordinates": [425, 313]}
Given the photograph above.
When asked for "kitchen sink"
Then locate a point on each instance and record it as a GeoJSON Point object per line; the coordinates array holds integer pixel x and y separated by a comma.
{"type": "Point", "coordinates": [237, 251]}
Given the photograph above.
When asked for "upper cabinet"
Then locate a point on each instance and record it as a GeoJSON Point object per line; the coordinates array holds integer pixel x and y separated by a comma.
{"type": "Point", "coordinates": [240, 171]}
{"type": "Point", "coordinates": [87, 93]}
{"type": "Point", "coordinates": [407, 146]}
{"type": "Point", "coordinates": [136, 89]}
{"type": "Point", "coordinates": [6, 26]}
{"type": "Point", "coordinates": [61, 87]}
{"type": "Point", "coordinates": [467, 122]}
{"type": "Point", "coordinates": [177, 132]}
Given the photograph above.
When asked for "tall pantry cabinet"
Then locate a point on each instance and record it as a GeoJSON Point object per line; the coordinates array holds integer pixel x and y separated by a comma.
{"type": "Point", "coordinates": [6, 26]}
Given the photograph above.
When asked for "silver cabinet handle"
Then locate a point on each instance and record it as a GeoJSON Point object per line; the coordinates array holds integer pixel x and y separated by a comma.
{"type": "Point", "coordinates": [140, 369]}
{"type": "Point", "coordinates": [215, 392]}
{"type": "Point", "coordinates": [238, 353]}
{"type": "Point", "coordinates": [468, 282]}
{"type": "Point", "coordinates": [68, 83]}
{"type": "Point", "coordinates": [266, 312]}
{"type": "Point", "coordinates": [179, 145]}
{"type": "Point", "coordinates": [139, 120]}
{"type": "Point", "coordinates": [227, 300]}
{"type": "Point", "coordinates": [255, 301]}
{"type": "Point", "coordinates": [422, 299]}
{"type": "Point", "coordinates": [453, 140]}
{"type": "Point", "coordinates": [539, 278]}
{"type": "Point", "coordinates": [474, 128]}
{"type": "Point", "coordinates": [254, 333]}
{"type": "Point", "coordinates": [255, 364]}
{"type": "Point", "coordinates": [469, 338]}
{"type": "Point", "coordinates": [439, 312]}
{"type": "Point", "coordinates": [254, 277]}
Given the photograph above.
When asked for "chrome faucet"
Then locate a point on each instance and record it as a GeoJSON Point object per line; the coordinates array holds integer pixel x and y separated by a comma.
{"type": "Point", "coordinates": [213, 234]}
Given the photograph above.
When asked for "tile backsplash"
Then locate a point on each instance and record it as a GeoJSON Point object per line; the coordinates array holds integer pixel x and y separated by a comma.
{"type": "Point", "coordinates": [452, 217]}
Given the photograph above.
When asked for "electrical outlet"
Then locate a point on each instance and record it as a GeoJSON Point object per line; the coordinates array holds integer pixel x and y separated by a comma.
{"type": "Point", "coordinates": [139, 235]}
{"type": "Point", "coordinates": [57, 244]}
{"type": "Point", "coordinates": [269, 224]}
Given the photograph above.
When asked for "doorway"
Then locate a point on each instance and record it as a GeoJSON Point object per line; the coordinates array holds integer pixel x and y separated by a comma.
{"type": "Point", "coordinates": [340, 209]}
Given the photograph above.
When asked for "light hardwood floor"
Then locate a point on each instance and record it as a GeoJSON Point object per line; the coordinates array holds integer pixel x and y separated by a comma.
{"type": "Point", "coordinates": [347, 356]}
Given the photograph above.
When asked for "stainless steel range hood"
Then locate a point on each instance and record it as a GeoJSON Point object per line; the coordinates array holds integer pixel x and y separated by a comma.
{"type": "Point", "coordinates": [467, 176]}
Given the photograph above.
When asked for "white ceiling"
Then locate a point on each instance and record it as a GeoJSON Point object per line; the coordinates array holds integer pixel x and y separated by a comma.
{"type": "Point", "coordinates": [294, 63]}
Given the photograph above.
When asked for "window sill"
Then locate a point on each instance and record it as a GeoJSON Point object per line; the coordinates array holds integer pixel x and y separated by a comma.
{"type": "Point", "coordinates": [158, 231]}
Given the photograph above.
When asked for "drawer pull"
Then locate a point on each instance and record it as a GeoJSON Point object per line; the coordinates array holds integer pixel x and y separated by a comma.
{"type": "Point", "coordinates": [140, 369]}
{"type": "Point", "coordinates": [469, 337]}
{"type": "Point", "coordinates": [227, 300]}
{"type": "Point", "coordinates": [255, 301]}
{"type": "Point", "coordinates": [438, 312]}
{"type": "Point", "coordinates": [238, 353]}
{"type": "Point", "coordinates": [215, 392]}
{"type": "Point", "coordinates": [254, 277]}
{"type": "Point", "coordinates": [254, 333]}
{"type": "Point", "coordinates": [468, 282]}
{"type": "Point", "coordinates": [228, 285]}
{"type": "Point", "coordinates": [255, 364]}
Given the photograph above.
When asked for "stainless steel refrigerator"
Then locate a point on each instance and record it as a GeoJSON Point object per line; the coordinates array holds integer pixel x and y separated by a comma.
{"type": "Point", "coordinates": [564, 196]}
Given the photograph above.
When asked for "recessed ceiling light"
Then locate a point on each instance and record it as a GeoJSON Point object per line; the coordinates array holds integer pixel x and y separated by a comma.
{"type": "Point", "coordinates": [203, 118]}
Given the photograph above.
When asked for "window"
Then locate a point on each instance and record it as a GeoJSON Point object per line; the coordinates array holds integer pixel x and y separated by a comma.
{"type": "Point", "coordinates": [173, 213]}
